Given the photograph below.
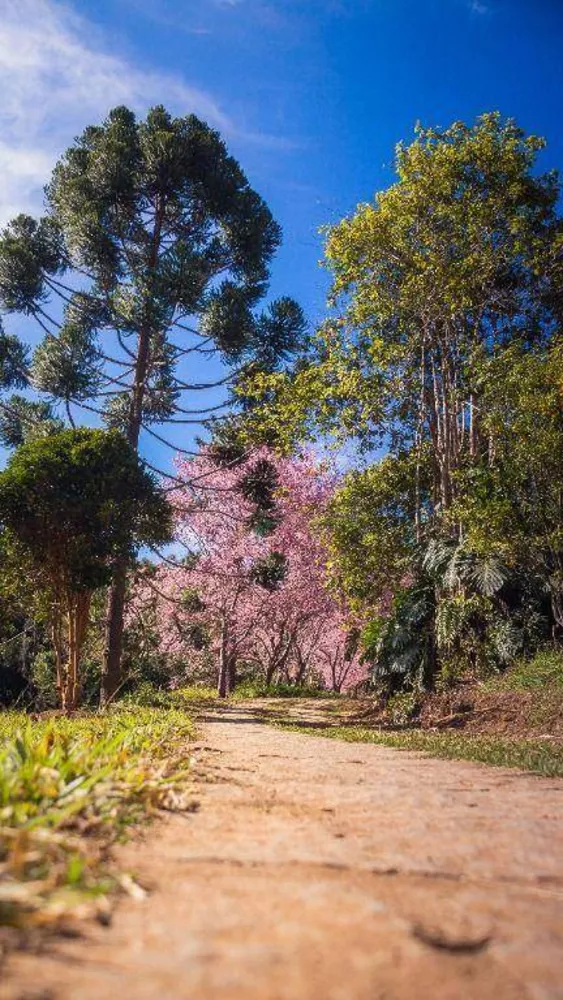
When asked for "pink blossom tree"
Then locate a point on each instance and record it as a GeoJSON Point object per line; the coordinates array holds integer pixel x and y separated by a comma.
{"type": "Point", "coordinates": [254, 580]}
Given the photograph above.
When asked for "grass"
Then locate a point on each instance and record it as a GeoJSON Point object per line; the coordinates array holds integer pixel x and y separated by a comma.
{"type": "Point", "coordinates": [70, 787]}
{"type": "Point", "coordinates": [544, 670]}
{"type": "Point", "coordinates": [539, 756]}
{"type": "Point", "coordinates": [148, 696]}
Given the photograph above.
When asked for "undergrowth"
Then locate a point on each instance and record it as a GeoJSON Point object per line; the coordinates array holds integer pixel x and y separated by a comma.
{"type": "Point", "coordinates": [545, 669]}
{"type": "Point", "coordinates": [259, 689]}
{"type": "Point", "coordinates": [147, 695]}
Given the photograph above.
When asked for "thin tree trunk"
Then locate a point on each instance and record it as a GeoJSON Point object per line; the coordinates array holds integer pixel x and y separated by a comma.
{"type": "Point", "coordinates": [111, 665]}
{"type": "Point", "coordinates": [472, 435]}
{"type": "Point", "coordinates": [232, 673]}
{"type": "Point", "coordinates": [78, 612]}
{"type": "Point", "coordinates": [418, 446]}
{"type": "Point", "coordinates": [56, 634]}
{"type": "Point", "coordinates": [224, 682]}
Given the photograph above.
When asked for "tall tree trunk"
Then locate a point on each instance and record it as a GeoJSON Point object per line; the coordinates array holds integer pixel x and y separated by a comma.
{"type": "Point", "coordinates": [227, 675]}
{"type": "Point", "coordinates": [68, 690]}
{"type": "Point", "coordinates": [111, 667]}
{"type": "Point", "coordinates": [419, 438]}
{"type": "Point", "coordinates": [58, 644]}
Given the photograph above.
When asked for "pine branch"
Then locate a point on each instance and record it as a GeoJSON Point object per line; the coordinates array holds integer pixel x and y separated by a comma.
{"type": "Point", "coordinates": [173, 447]}
{"type": "Point", "coordinates": [206, 409]}
{"type": "Point", "coordinates": [205, 385]}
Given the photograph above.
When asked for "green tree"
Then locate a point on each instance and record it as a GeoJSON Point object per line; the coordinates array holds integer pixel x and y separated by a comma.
{"type": "Point", "coordinates": [510, 500]}
{"type": "Point", "coordinates": [370, 531]}
{"type": "Point", "coordinates": [457, 259]}
{"type": "Point", "coordinates": [74, 503]}
{"type": "Point", "coordinates": [159, 250]}
{"type": "Point", "coordinates": [439, 285]}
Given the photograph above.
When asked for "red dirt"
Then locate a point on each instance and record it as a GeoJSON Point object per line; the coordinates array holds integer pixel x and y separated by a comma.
{"type": "Point", "coordinates": [320, 870]}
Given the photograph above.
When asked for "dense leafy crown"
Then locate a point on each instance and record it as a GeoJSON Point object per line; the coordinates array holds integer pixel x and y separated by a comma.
{"type": "Point", "coordinates": [77, 500]}
{"type": "Point", "coordinates": [457, 258]}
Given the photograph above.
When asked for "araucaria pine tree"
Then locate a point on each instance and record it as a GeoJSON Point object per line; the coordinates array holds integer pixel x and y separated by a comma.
{"type": "Point", "coordinates": [153, 248]}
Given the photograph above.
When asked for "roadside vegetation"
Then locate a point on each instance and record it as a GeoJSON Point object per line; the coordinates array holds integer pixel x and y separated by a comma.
{"type": "Point", "coordinates": [539, 756]}
{"type": "Point", "coordinates": [512, 720]}
{"type": "Point", "coordinates": [69, 788]}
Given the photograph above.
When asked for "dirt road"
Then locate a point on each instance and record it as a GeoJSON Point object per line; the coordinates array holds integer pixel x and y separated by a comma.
{"type": "Point", "coordinates": [319, 870]}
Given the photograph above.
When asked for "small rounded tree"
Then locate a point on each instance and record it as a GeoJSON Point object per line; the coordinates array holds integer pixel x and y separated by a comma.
{"type": "Point", "coordinates": [75, 503]}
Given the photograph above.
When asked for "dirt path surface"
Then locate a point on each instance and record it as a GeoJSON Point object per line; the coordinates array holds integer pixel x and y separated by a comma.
{"type": "Point", "coordinates": [320, 870]}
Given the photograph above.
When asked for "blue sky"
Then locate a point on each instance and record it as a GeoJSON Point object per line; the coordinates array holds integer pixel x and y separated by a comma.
{"type": "Point", "coordinates": [311, 96]}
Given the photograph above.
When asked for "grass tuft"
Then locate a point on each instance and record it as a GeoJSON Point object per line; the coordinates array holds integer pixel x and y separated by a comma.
{"type": "Point", "coordinates": [70, 787]}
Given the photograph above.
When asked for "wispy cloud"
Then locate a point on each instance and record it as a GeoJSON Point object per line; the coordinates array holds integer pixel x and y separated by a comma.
{"type": "Point", "coordinates": [57, 75]}
{"type": "Point", "coordinates": [478, 7]}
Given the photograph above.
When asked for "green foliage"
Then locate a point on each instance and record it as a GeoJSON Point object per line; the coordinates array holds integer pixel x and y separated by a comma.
{"type": "Point", "coordinates": [370, 528]}
{"type": "Point", "coordinates": [258, 486]}
{"type": "Point", "coordinates": [402, 645]}
{"type": "Point", "coordinates": [61, 779]}
{"type": "Point", "coordinates": [23, 420]}
{"type": "Point", "coordinates": [270, 571]}
{"type": "Point", "coordinates": [459, 254]}
{"type": "Point", "coordinates": [456, 565]}
{"type": "Point", "coordinates": [162, 221]}
{"type": "Point", "coordinates": [147, 695]}
{"type": "Point", "coordinates": [543, 670]}
{"type": "Point", "coordinates": [13, 362]}
{"type": "Point", "coordinates": [78, 499]}
{"type": "Point", "coordinates": [44, 678]}
{"type": "Point", "coordinates": [402, 708]}
{"type": "Point", "coordinates": [30, 250]}
{"type": "Point", "coordinates": [67, 366]}
{"type": "Point", "coordinates": [72, 504]}
{"type": "Point", "coordinates": [510, 504]}
{"type": "Point", "coordinates": [41, 694]}
{"type": "Point", "coordinates": [249, 689]}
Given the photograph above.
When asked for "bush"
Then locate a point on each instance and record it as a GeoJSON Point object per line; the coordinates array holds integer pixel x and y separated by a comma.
{"type": "Point", "coordinates": [403, 708]}
{"type": "Point", "coordinates": [259, 689]}
{"type": "Point", "coordinates": [147, 695]}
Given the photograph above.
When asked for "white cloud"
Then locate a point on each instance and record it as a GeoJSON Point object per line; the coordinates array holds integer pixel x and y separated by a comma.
{"type": "Point", "coordinates": [57, 76]}
{"type": "Point", "coordinates": [478, 7]}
